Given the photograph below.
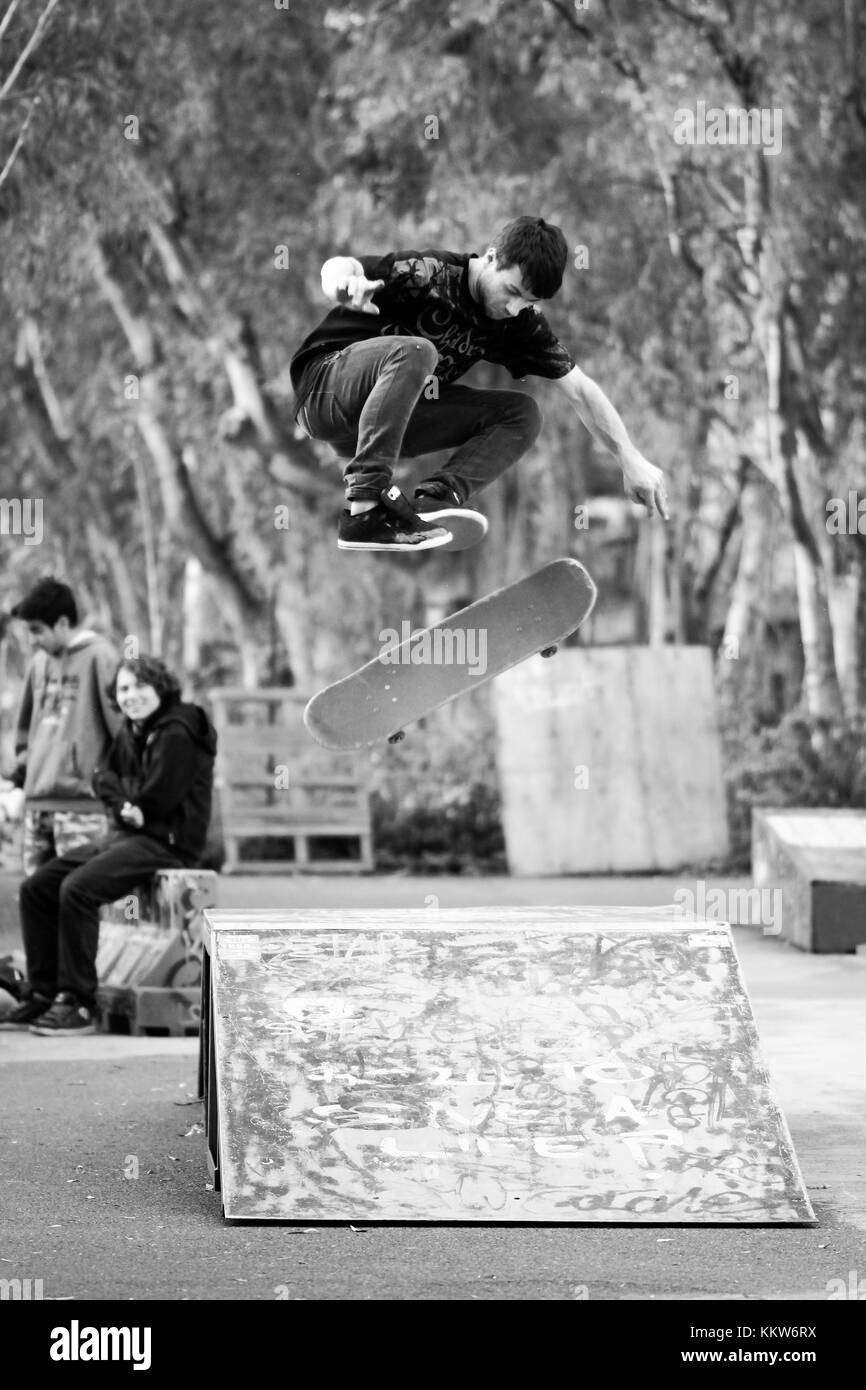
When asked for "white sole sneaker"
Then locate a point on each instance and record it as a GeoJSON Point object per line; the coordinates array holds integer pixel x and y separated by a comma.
{"type": "Point", "coordinates": [63, 1032]}
{"type": "Point", "coordinates": [467, 527]}
{"type": "Point", "coordinates": [407, 547]}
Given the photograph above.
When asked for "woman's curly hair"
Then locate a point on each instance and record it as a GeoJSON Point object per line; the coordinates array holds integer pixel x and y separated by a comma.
{"type": "Point", "coordinates": [148, 670]}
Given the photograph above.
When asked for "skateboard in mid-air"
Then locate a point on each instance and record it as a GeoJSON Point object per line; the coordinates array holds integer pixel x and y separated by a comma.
{"type": "Point", "coordinates": [413, 676]}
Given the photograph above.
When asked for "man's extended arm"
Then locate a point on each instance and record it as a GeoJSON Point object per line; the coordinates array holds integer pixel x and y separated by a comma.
{"type": "Point", "coordinates": [344, 282]}
{"type": "Point", "coordinates": [643, 482]}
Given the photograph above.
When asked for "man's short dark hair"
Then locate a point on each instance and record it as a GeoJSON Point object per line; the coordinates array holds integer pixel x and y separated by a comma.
{"type": "Point", "coordinates": [538, 249]}
{"type": "Point", "coordinates": [148, 670]}
{"type": "Point", "coordinates": [47, 602]}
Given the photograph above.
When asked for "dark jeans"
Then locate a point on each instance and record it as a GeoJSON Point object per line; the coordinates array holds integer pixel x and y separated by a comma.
{"type": "Point", "coordinates": [370, 403]}
{"type": "Point", "coordinates": [60, 905]}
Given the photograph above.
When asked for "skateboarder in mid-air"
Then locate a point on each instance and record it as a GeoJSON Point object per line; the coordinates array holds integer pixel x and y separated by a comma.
{"type": "Point", "coordinates": [363, 380]}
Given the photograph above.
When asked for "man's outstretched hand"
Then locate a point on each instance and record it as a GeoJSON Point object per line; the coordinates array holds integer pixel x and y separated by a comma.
{"type": "Point", "coordinates": [356, 292]}
{"type": "Point", "coordinates": [644, 483]}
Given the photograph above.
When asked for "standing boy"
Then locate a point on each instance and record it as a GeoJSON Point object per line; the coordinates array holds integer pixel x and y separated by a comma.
{"type": "Point", "coordinates": [66, 721]}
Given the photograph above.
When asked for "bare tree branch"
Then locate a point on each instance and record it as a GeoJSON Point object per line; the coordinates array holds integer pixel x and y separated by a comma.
{"type": "Point", "coordinates": [613, 52]}
{"type": "Point", "coordinates": [31, 45]}
{"type": "Point", "coordinates": [566, 12]}
{"type": "Point", "coordinates": [742, 72]}
{"type": "Point", "coordinates": [7, 167]}
{"type": "Point", "coordinates": [7, 17]}
{"type": "Point", "coordinates": [854, 94]}
{"type": "Point", "coordinates": [184, 514]}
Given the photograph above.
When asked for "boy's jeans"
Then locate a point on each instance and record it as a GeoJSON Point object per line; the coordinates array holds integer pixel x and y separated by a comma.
{"type": "Point", "coordinates": [60, 905]}
{"type": "Point", "coordinates": [374, 403]}
{"type": "Point", "coordinates": [48, 834]}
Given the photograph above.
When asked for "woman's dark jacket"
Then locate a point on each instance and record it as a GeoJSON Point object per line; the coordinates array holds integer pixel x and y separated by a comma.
{"type": "Point", "coordinates": [165, 768]}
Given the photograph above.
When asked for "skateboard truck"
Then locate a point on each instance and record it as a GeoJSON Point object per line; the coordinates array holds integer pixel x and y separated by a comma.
{"type": "Point", "coordinates": [401, 733]}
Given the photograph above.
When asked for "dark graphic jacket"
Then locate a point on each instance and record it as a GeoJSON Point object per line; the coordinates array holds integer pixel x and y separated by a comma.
{"type": "Point", "coordinates": [165, 767]}
{"type": "Point", "coordinates": [426, 295]}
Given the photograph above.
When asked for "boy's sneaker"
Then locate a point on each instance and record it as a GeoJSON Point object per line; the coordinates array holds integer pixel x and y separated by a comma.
{"type": "Point", "coordinates": [65, 1017]}
{"type": "Point", "coordinates": [27, 1012]}
{"type": "Point", "coordinates": [440, 503]}
{"type": "Point", "coordinates": [391, 524]}
{"type": "Point", "coordinates": [435, 495]}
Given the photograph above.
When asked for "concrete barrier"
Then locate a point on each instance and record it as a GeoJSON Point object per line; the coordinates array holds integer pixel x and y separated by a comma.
{"type": "Point", "coordinates": [818, 860]}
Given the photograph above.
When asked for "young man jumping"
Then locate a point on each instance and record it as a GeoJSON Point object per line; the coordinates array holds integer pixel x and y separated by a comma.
{"type": "Point", "coordinates": [363, 380]}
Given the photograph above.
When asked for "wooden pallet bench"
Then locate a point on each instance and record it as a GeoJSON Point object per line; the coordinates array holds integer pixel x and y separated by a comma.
{"type": "Point", "coordinates": [278, 790]}
{"type": "Point", "coordinates": [150, 954]}
{"type": "Point", "coordinates": [149, 1011]}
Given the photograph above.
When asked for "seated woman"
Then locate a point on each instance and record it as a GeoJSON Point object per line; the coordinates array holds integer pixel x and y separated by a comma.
{"type": "Point", "coordinates": [157, 783]}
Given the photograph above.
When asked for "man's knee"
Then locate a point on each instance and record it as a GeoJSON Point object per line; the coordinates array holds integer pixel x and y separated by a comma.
{"type": "Point", "coordinates": [421, 355]}
{"type": "Point", "coordinates": [75, 888]}
{"type": "Point", "coordinates": [527, 415]}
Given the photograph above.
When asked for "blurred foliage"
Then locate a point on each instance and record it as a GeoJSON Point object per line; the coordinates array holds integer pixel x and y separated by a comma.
{"type": "Point", "coordinates": [435, 795]}
{"type": "Point", "coordinates": [310, 128]}
{"type": "Point", "coordinates": [782, 767]}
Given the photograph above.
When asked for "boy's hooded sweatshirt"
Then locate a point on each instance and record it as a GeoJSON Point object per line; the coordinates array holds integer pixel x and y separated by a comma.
{"type": "Point", "coordinates": [165, 767]}
{"type": "Point", "coordinates": [65, 724]}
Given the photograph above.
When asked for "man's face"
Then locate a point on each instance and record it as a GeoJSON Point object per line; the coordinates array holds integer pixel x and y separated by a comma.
{"type": "Point", "coordinates": [52, 640]}
{"type": "Point", "coordinates": [502, 290]}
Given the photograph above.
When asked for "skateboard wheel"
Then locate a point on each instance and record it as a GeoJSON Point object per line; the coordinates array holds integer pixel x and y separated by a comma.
{"type": "Point", "coordinates": [395, 738]}
{"type": "Point", "coordinates": [549, 651]}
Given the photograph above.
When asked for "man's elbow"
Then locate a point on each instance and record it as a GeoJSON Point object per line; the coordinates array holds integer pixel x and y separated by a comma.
{"type": "Point", "coordinates": [574, 384]}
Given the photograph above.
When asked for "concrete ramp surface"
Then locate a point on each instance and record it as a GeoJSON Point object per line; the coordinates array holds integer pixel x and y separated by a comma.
{"type": "Point", "coordinates": [502, 1064]}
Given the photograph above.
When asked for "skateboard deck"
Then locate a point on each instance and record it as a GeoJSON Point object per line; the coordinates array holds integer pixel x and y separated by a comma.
{"type": "Point", "coordinates": [415, 675]}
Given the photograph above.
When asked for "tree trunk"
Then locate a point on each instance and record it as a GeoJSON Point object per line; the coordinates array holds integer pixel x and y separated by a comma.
{"type": "Point", "coordinates": [820, 680]}
{"type": "Point", "coordinates": [231, 339]}
{"type": "Point", "coordinates": [151, 571]}
{"type": "Point", "coordinates": [860, 635]}
{"type": "Point", "coordinates": [52, 436]}
{"type": "Point", "coordinates": [104, 547]}
{"type": "Point", "coordinates": [845, 602]}
{"type": "Point", "coordinates": [739, 660]}
{"type": "Point", "coordinates": [698, 595]}
{"type": "Point", "coordinates": [183, 514]}
{"type": "Point", "coordinates": [768, 284]}
{"type": "Point", "coordinates": [194, 618]}
{"type": "Point", "coordinates": [657, 617]}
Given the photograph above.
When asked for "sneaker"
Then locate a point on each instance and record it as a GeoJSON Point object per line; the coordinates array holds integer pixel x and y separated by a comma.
{"type": "Point", "coordinates": [438, 502]}
{"type": "Point", "coordinates": [436, 495]}
{"type": "Point", "coordinates": [65, 1017]}
{"type": "Point", "coordinates": [27, 1012]}
{"type": "Point", "coordinates": [391, 524]}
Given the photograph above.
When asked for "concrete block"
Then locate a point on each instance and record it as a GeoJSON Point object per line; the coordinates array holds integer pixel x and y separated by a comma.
{"type": "Point", "coordinates": [817, 858]}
